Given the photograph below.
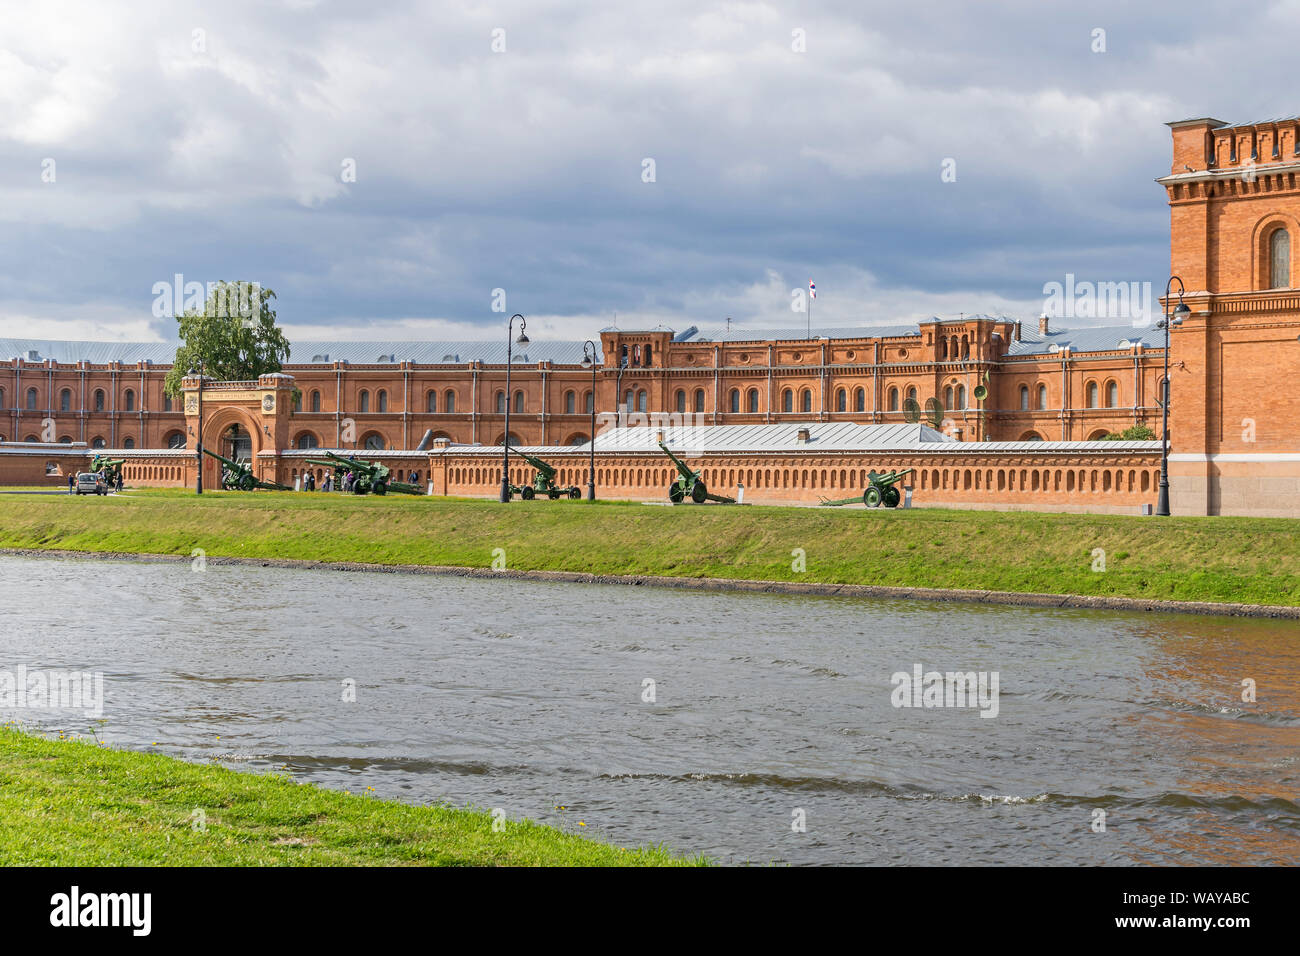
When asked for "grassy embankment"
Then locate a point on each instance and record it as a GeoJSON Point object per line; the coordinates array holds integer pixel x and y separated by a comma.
{"type": "Point", "coordinates": [1249, 560]}
{"type": "Point", "coordinates": [72, 803]}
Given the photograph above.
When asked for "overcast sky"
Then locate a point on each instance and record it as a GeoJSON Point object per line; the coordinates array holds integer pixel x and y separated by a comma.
{"type": "Point", "coordinates": [213, 140]}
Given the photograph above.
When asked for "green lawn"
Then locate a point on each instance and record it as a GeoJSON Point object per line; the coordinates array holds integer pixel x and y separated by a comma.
{"type": "Point", "coordinates": [1248, 560]}
{"type": "Point", "coordinates": [72, 803]}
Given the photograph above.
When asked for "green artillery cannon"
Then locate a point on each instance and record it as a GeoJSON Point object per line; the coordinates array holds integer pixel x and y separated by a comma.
{"type": "Point", "coordinates": [238, 476]}
{"type": "Point", "coordinates": [879, 491]}
{"type": "Point", "coordinates": [543, 482]}
{"type": "Point", "coordinates": [109, 468]}
{"type": "Point", "coordinates": [690, 485]}
{"type": "Point", "coordinates": [369, 477]}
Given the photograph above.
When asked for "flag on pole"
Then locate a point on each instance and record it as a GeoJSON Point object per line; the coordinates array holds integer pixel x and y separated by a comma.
{"type": "Point", "coordinates": [812, 289]}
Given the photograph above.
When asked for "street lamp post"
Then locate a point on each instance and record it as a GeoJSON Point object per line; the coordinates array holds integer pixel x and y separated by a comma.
{"type": "Point", "coordinates": [618, 393]}
{"type": "Point", "coordinates": [505, 440]}
{"type": "Point", "coordinates": [1172, 318]}
{"type": "Point", "coordinates": [589, 360]}
{"type": "Point", "coordinates": [198, 443]}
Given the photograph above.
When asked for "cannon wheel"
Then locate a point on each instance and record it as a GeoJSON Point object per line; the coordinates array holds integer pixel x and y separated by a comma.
{"type": "Point", "coordinates": [871, 497]}
{"type": "Point", "coordinates": [379, 488]}
{"type": "Point", "coordinates": [892, 497]}
{"type": "Point", "coordinates": [527, 493]}
{"type": "Point", "coordinates": [575, 493]}
{"type": "Point", "coordinates": [675, 493]}
{"type": "Point", "coordinates": [246, 482]}
{"type": "Point", "coordinates": [699, 493]}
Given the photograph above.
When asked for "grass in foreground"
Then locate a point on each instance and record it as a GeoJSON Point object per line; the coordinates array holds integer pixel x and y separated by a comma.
{"type": "Point", "coordinates": [1249, 560]}
{"type": "Point", "coordinates": [72, 803]}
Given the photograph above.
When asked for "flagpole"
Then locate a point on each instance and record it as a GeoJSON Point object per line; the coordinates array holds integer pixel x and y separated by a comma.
{"type": "Point", "coordinates": [808, 334]}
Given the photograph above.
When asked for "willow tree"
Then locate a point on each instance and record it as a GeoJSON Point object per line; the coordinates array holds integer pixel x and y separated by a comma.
{"type": "Point", "coordinates": [235, 336]}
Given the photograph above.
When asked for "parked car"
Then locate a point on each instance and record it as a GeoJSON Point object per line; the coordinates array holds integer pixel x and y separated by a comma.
{"type": "Point", "coordinates": [91, 483]}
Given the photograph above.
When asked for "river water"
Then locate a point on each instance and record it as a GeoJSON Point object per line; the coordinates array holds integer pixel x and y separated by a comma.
{"type": "Point", "coordinates": [769, 735]}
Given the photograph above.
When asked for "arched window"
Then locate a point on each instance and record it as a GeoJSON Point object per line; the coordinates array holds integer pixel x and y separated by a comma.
{"type": "Point", "coordinates": [641, 401]}
{"type": "Point", "coordinates": [167, 402]}
{"type": "Point", "coordinates": [1279, 259]}
{"type": "Point", "coordinates": [31, 399]}
{"type": "Point", "coordinates": [734, 399]}
{"type": "Point", "coordinates": [374, 442]}
{"type": "Point", "coordinates": [1024, 397]}
{"type": "Point", "coordinates": [97, 442]}
{"type": "Point", "coordinates": [382, 400]}
{"type": "Point", "coordinates": [175, 439]}
{"type": "Point", "coordinates": [365, 401]}
{"type": "Point", "coordinates": [306, 440]}
{"type": "Point", "coordinates": [953, 347]}
{"type": "Point", "coordinates": [911, 392]}
{"type": "Point", "coordinates": [2, 398]}
{"type": "Point", "coordinates": [570, 402]}
{"type": "Point", "coordinates": [679, 401]}
{"type": "Point", "coordinates": [449, 401]}
{"type": "Point", "coordinates": [699, 399]}
{"type": "Point", "coordinates": [943, 348]}
{"type": "Point", "coordinates": [752, 401]}
{"type": "Point", "coordinates": [589, 402]}
{"type": "Point", "coordinates": [315, 400]}
{"type": "Point", "coordinates": [1090, 394]}
{"type": "Point", "coordinates": [130, 400]}
{"type": "Point", "coordinates": [948, 397]}
{"type": "Point", "coordinates": [859, 400]}
{"type": "Point", "coordinates": [128, 442]}
{"type": "Point", "coordinates": [1112, 394]}
{"type": "Point", "coordinates": [961, 396]}
{"type": "Point", "coordinates": [501, 403]}
{"type": "Point", "coordinates": [965, 347]}
{"type": "Point", "coordinates": [297, 401]}
{"type": "Point", "coordinates": [519, 402]}
{"type": "Point", "coordinates": [787, 400]}
{"type": "Point", "coordinates": [893, 399]}
{"type": "Point", "coordinates": [431, 402]}
{"type": "Point", "coordinates": [1042, 396]}
{"type": "Point", "coordinates": [65, 401]}
{"type": "Point", "coordinates": [647, 355]}
{"type": "Point", "coordinates": [841, 400]}
{"type": "Point", "coordinates": [805, 401]}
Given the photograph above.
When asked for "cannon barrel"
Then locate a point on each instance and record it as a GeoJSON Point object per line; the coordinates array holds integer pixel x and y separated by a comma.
{"type": "Point", "coordinates": [225, 461]}
{"type": "Point", "coordinates": [682, 467]}
{"type": "Point", "coordinates": [548, 471]}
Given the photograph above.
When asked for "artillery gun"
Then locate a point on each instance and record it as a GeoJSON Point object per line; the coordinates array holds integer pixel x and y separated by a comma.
{"type": "Point", "coordinates": [879, 491]}
{"type": "Point", "coordinates": [690, 485]}
{"type": "Point", "coordinates": [238, 475]}
{"type": "Point", "coordinates": [369, 477]}
{"type": "Point", "coordinates": [110, 469]}
{"type": "Point", "coordinates": [543, 482]}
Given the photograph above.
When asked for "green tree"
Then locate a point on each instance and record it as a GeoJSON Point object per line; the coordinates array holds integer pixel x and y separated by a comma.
{"type": "Point", "coordinates": [1132, 433]}
{"type": "Point", "coordinates": [235, 336]}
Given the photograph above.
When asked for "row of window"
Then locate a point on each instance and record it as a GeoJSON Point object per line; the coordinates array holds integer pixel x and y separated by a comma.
{"type": "Point", "coordinates": [100, 399]}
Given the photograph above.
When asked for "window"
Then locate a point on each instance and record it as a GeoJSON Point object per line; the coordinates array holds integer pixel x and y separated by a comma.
{"type": "Point", "coordinates": [365, 401]}
{"type": "Point", "coordinates": [175, 440]}
{"type": "Point", "coordinates": [382, 400]}
{"type": "Point", "coordinates": [98, 442]}
{"type": "Point", "coordinates": [99, 399]}
{"type": "Point", "coordinates": [948, 397]}
{"type": "Point", "coordinates": [1024, 397]}
{"type": "Point", "coordinates": [1042, 396]}
{"type": "Point", "coordinates": [31, 399]}
{"type": "Point", "coordinates": [128, 442]}
{"type": "Point", "coordinates": [699, 399]}
{"type": "Point", "coordinates": [307, 440]}
{"type": "Point", "coordinates": [501, 403]}
{"type": "Point", "coordinates": [841, 400]}
{"type": "Point", "coordinates": [315, 400]}
{"type": "Point", "coordinates": [734, 400]}
{"type": "Point", "coordinates": [752, 405]}
{"type": "Point", "coordinates": [893, 399]}
{"type": "Point", "coordinates": [647, 354]}
{"type": "Point", "coordinates": [1112, 394]}
{"type": "Point", "coordinates": [374, 442]}
{"type": "Point", "coordinates": [1090, 394]}
{"type": "Point", "coordinates": [167, 403]}
{"type": "Point", "coordinates": [1279, 260]}
{"type": "Point", "coordinates": [297, 401]}
{"type": "Point", "coordinates": [961, 396]}
{"type": "Point", "coordinates": [2, 398]}
{"type": "Point", "coordinates": [589, 400]}
{"type": "Point", "coordinates": [519, 403]}
{"type": "Point", "coordinates": [787, 400]}
{"type": "Point", "coordinates": [431, 402]}
{"type": "Point", "coordinates": [449, 401]}
{"type": "Point", "coordinates": [65, 401]}
{"type": "Point", "coordinates": [860, 400]}
{"type": "Point", "coordinates": [805, 401]}
{"type": "Point", "coordinates": [641, 401]}
{"type": "Point", "coordinates": [680, 401]}
{"type": "Point", "coordinates": [570, 403]}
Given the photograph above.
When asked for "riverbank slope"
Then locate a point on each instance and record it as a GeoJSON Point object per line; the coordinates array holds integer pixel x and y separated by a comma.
{"type": "Point", "coordinates": [75, 803]}
{"type": "Point", "coordinates": [1240, 560]}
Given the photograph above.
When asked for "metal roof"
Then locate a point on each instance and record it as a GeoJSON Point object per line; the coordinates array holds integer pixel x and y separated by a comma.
{"type": "Point", "coordinates": [822, 436]}
{"type": "Point", "coordinates": [1103, 339]}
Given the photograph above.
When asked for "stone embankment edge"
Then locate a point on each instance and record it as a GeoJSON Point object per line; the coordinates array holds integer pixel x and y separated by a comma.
{"type": "Point", "coordinates": [877, 592]}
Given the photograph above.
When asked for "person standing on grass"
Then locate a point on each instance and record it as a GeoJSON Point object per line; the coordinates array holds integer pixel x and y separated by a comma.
{"type": "Point", "coordinates": [72, 482]}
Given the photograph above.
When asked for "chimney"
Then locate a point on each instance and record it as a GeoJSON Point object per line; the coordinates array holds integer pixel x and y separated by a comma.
{"type": "Point", "coordinates": [803, 437]}
{"type": "Point", "coordinates": [1042, 324]}
{"type": "Point", "coordinates": [1017, 334]}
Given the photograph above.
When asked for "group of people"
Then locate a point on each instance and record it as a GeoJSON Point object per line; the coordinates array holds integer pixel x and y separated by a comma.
{"type": "Point", "coordinates": [327, 483]}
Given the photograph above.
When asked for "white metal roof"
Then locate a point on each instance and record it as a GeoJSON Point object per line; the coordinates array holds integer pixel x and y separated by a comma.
{"type": "Point", "coordinates": [822, 436]}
